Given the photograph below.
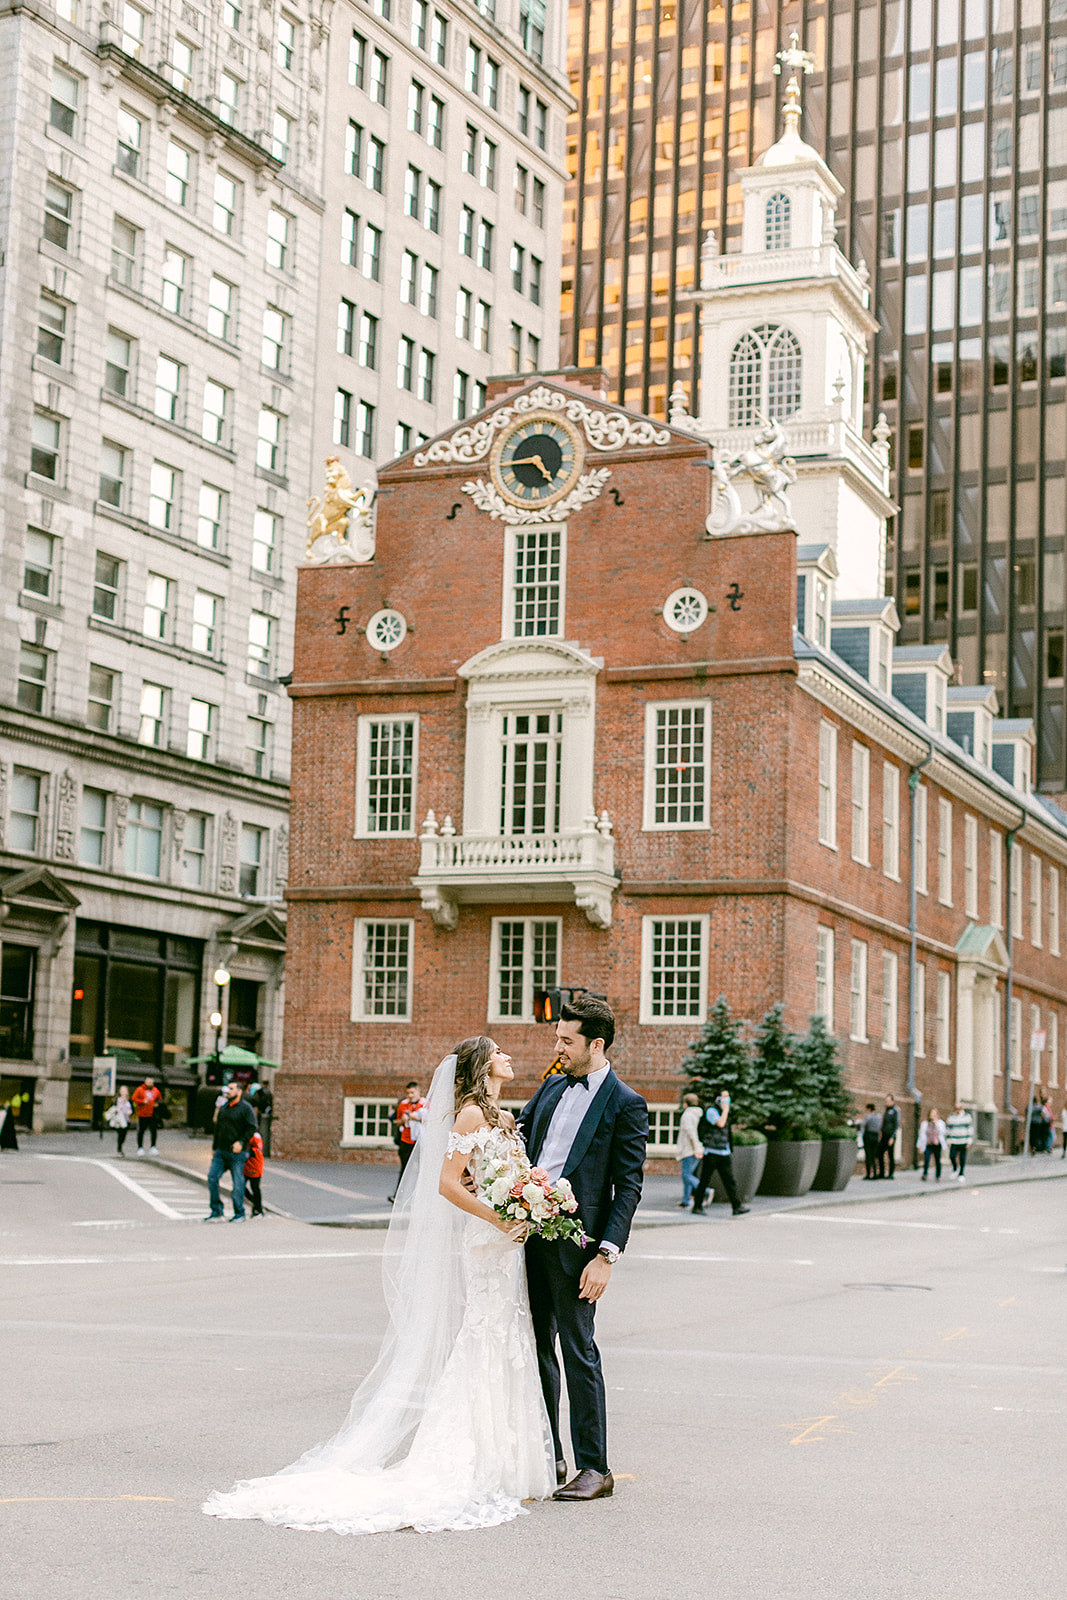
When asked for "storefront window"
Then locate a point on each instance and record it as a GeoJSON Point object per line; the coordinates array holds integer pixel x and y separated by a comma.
{"type": "Point", "coordinates": [17, 964]}
{"type": "Point", "coordinates": [136, 996]}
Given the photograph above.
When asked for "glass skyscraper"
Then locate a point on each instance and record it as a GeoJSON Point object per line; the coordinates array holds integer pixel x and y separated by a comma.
{"type": "Point", "coordinates": [946, 121]}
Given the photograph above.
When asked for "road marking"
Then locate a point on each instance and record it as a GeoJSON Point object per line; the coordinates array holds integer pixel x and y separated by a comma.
{"type": "Point", "coordinates": [777, 1261]}
{"type": "Point", "coordinates": [160, 1256]}
{"type": "Point", "coordinates": [317, 1183]}
{"type": "Point", "coordinates": [879, 1222]}
{"type": "Point", "coordinates": [87, 1499]}
{"type": "Point", "coordinates": [155, 1187]}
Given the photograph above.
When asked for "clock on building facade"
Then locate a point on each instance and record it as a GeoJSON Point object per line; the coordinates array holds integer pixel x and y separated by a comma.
{"type": "Point", "coordinates": [537, 460]}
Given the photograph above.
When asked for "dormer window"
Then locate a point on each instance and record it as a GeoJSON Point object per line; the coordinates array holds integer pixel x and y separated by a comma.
{"type": "Point", "coordinates": [777, 223]}
{"type": "Point", "coordinates": [765, 372]}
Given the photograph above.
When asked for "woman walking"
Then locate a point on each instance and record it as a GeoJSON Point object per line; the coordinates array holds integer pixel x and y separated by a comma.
{"type": "Point", "coordinates": [933, 1137]}
{"type": "Point", "coordinates": [119, 1116]}
{"type": "Point", "coordinates": [690, 1151]}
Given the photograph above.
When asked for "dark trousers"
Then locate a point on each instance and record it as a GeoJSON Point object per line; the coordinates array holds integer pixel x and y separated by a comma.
{"type": "Point", "coordinates": [870, 1155]}
{"type": "Point", "coordinates": [558, 1314]}
{"type": "Point", "coordinates": [932, 1150]}
{"type": "Point", "coordinates": [121, 1132]}
{"type": "Point", "coordinates": [957, 1154]}
{"type": "Point", "coordinates": [255, 1194]}
{"type": "Point", "coordinates": [716, 1162]}
{"type": "Point", "coordinates": [887, 1157]}
{"type": "Point", "coordinates": [146, 1125]}
{"type": "Point", "coordinates": [405, 1152]}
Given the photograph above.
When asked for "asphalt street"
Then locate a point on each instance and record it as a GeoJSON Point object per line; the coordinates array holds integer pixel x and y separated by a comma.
{"type": "Point", "coordinates": [854, 1401]}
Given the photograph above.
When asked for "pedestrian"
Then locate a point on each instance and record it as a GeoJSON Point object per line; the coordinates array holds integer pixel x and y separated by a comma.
{"type": "Point", "coordinates": [407, 1118]}
{"type": "Point", "coordinates": [146, 1098]}
{"type": "Point", "coordinates": [119, 1116]}
{"type": "Point", "coordinates": [933, 1136]}
{"type": "Point", "coordinates": [234, 1126]}
{"type": "Point", "coordinates": [9, 1139]}
{"type": "Point", "coordinates": [959, 1129]}
{"type": "Point", "coordinates": [690, 1151]}
{"type": "Point", "coordinates": [713, 1133]}
{"type": "Point", "coordinates": [1048, 1125]}
{"type": "Point", "coordinates": [1037, 1127]}
{"type": "Point", "coordinates": [887, 1144]}
{"type": "Point", "coordinates": [254, 1172]}
{"type": "Point", "coordinates": [1063, 1130]}
{"type": "Point", "coordinates": [871, 1128]}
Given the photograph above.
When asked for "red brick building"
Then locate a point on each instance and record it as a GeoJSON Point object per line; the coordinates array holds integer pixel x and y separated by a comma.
{"type": "Point", "coordinates": [556, 731]}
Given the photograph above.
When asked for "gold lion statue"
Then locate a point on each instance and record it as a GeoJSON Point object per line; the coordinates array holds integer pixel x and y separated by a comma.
{"type": "Point", "coordinates": [328, 514]}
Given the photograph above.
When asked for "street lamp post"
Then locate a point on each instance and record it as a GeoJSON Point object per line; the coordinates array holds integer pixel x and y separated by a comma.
{"type": "Point", "coordinates": [222, 978]}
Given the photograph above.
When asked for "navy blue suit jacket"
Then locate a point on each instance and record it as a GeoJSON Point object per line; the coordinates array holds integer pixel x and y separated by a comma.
{"type": "Point", "coordinates": [606, 1161]}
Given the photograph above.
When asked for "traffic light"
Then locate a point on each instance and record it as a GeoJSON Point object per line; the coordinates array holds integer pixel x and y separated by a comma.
{"type": "Point", "coordinates": [548, 1003]}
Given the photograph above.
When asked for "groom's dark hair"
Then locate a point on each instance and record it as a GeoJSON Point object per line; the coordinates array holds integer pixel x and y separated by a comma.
{"type": "Point", "coordinates": [594, 1017]}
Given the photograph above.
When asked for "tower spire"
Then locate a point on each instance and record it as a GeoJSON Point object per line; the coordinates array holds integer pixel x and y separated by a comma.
{"type": "Point", "coordinates": [797, 61]}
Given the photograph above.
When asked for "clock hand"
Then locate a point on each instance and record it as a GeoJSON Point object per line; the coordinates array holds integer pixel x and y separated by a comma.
{"type": "Point", "coordinates": [537, 462]}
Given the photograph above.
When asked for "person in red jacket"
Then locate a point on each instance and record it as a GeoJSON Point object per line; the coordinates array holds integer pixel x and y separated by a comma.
{"type": "Point", "coordinates": [253, 1173]}
{"type": "Point", "coordinates": [146, 1097]}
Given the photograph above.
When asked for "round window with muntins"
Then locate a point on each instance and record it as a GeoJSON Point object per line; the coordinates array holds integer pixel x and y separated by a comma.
{"type": "Point", "coordinates": [386, 629]}
{"type": "Point", "coordinates": [685, 610]}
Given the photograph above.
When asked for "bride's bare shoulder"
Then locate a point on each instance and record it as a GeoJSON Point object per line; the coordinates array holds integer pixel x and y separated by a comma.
{"type": "Point", "coordinates": [469, 1119]}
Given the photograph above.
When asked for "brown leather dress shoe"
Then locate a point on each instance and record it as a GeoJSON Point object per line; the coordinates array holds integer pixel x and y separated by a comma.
{"type": "Point", "coordinates": [588, 1485]}
{"type": "Point", "coordinates": [561, 1473]}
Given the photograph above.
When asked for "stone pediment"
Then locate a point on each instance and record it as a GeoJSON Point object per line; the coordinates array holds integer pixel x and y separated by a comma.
{"type": "Point", "coordinates": [984, 946]}
{"type": "Point", "coordinates": [264, 927]}
{"type": "Point", "coordinates": [39, 886]}
{"type": "Point", "coordinates": [531, 660]}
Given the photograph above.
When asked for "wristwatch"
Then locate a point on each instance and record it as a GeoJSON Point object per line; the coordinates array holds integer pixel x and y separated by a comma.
{"type": "Point", "coordinates": [610, 1252]}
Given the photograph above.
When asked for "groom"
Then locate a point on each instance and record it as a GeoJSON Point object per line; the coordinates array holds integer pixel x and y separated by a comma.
{"type": "Point", "coordinates": [592, 1129]}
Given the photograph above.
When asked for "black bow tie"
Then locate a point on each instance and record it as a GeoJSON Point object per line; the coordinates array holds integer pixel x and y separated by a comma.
{"type": "Point", "coordinates": [572, 1080]}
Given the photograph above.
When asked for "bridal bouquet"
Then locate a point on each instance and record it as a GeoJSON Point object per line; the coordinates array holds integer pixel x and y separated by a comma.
{"type": "Point", "coordinates": [518, 1193]}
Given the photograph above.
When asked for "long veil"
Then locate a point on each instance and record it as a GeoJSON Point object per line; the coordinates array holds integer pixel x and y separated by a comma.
{"type": "Point", "coordinates": [423, 1282]}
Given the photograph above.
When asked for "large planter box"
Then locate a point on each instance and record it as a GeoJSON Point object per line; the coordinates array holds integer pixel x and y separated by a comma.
{"type": "Point", "coordinates": [747, 1161]}
{"type": "Point", "coordinates": [836, 1164]}
{"type": "Point", "coordinates": [791, 1165]}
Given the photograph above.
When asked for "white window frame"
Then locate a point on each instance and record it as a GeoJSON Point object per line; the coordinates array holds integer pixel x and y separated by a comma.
{"type": "Point", "coordinates": [364, 725]}
{"type": "Point", "coordinates": [493, 1012]}
{"type": "Point", "coordinates": [646, 1014]}
{"type": "Point", "coordinates": [922, 843]}
{"type": "Point", "coordinates": [1016, 1043]}
{"type": "Point", "coordinates": [996, 878]}
{"type": "Point", "coordinates": [824, 975]}
{"type": "Point", "coordinates": [1053, 1046]}
{"type": "Point", "coordinates": [1036, 873]}
{"type": "Point", "coordinates": [1053, 911]}
{"type": "Point", "coordinates": [1035, 1027]}
{"type": "Point", "coordinates": [827, 816]}
{"type": "Point", "coordinates": [511, 555]}
{"type": "Point", "coordinates": [1015, 891]}
{"type": "Point", "coordinates": [857, 991]}
{"type": "Point", "coordinates": [891, 820]}
{"type": "Point", "coordinates": [652, 710]}
{"type": "Point", "coordinates": [970, 866]}
{"type": "Point", "coordinates": [944, 851]}
{"type": "Point", "coordinates": [861, 803]}
{"type": "Point", "coordinates": [361, 925]}
{"type": "Point", "coordinates": [944, 1016]}
{"type": "Point", "coordinates": [918, 1009]}
{"type": "Point", "coordinates": [890, 1000]}
{"type": "Point", "coordinates": [374, 1112]}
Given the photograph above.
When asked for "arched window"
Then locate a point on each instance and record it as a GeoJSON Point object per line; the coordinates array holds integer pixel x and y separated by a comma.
{"type": "Point", "coordinates": [765, 373]}
{"type": "Point", "coordinates": [777, 226]}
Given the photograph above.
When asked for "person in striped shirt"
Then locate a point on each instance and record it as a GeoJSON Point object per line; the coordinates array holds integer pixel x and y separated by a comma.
{"type": "Point", "coordinates": [960, 1129]}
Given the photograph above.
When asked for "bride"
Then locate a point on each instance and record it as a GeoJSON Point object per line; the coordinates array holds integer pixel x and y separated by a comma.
{"type": "Point", "coordinates": [449, 1429]}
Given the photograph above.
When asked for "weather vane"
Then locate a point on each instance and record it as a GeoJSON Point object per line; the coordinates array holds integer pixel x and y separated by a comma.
{"type": "Point", "coordinates": [794, 58]}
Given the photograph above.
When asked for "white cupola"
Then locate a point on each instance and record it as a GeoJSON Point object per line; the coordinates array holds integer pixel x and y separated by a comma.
{"type": "Point", "coordinates": [785, 325]}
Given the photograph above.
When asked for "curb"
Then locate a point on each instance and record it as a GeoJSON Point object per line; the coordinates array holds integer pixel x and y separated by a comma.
{"type": "Point", "coordinates": [198, 1177]}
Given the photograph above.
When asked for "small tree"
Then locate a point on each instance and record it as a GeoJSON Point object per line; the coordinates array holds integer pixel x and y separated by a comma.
{"type": "Point", "coordinates": [816, 1051]}
{"type": "Point", "coordinates": [720, 1059]}
{"type": "Point", "coordinates": [785, 1083]}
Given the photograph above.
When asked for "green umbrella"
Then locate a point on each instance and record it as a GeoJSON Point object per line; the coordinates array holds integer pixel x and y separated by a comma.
{"type": "Point", "coordinates": [231, 1056]}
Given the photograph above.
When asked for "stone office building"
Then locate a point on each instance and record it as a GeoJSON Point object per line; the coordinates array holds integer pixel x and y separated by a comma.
{"type": "Point", "coordinates": [569, 727]}
{"type": "Point", "coordinates": [161, 239]}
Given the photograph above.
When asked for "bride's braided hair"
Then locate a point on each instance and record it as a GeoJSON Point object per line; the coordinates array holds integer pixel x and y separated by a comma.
{"type": "Point", "coordinates": [472, 1080]}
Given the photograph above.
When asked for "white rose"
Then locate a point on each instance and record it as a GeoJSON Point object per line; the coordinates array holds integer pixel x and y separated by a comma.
{"type": "Point", "coordinates": [499, 1191]}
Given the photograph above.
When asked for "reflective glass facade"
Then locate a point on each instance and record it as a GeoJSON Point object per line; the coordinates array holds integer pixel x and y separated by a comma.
{"type": "Point", "coordinates": [946, 121]}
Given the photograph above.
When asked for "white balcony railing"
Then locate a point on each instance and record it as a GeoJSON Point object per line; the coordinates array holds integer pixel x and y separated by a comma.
{"type": "Point", "coordinates": [516, 866]}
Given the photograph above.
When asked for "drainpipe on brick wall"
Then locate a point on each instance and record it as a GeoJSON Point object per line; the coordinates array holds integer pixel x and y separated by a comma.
{"type": "Point", "coordinates": [913, 924]}
{"type": "Point", "coordinates": [1009, 942]}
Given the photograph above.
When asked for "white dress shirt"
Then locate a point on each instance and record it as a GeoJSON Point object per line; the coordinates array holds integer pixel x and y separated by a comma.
{"type": "Point", "coordinates": [571, 1108]}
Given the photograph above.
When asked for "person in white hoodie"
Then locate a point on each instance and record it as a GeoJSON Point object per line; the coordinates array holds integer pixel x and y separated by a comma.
{"type": "Point", "coordinates": [960, 1129]}
{"type": "Point", "coordinates": [690, 1151]}
{"type": "Point", "coordinates": [933, 1139]}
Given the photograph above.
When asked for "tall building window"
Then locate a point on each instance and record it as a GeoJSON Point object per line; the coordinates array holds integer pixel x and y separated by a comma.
{"type": "Point", "coordinates": [52, 329]}
{"type": "Point", "coordinates": [39, 563]}
{"type": "Point", "coordinates": [113, 463]}
{"type": "Point", "coordinates": [677, 746]}
{"type": "Point", "coordinates": [210, 517]}
{"type": "Point", "coordinates": [32, 689]}
{"type": "Point", "coordinates": [765, 376]}
{"type": "Point", "coordinates": [537, 589]}
{"type": "Point", "coordinates": [824, 976]}
{"type": "Point", "coordinates": [174, 280]}
{"type": "Point", "coordinates": [260, 644]}
{"type": "Point", "coordinates": [372, 253]}
{"type": "Point", "coordinates": [275, 338]}
{"type": "Point", "coordinates": [890, 819]}
{"type": "Point", "coordinates": [221, 305]}
{"type": "Point", "coordinates": [63, 108]}
{"type": "Point", "coordinates": [349, 238]}
{"type": "Point", "coordinates": [342, 417]}
{"type": "Point", "coordinates": [45, 440]}
{"type": "Point", "coordinates": [777, 223]}
{"type": "Point", "coordinates": [857, 992]}
{"type": "Point", "coordinates": [889, 1000]}
{"type": "Point", "coordinates": [532, 16]}
{"type": "Point", "coordinates": [144, 839]}
{"type": "Point", "coordinates": [58, 213]}
{"type": "Point", "coordinates": [179, 178]}
{"type": "Point", "coordinates": [1053, 911]}
{"type": "Point", "coordinates": [357, 60]}
{"type": "Point", "coordinates": [278, 241]}
{"type": "Point", "coordinates": [524, 958]}
{"type": "Point", "coordinates": [224, 205]}
{"type": "Point", "coordinates": [169, 375]}
{"type": "Point", "coordinates": [531, 756]}
{"type": "Point", "coordinates": [364, 440]}
{"type": "Point", "coordinates": [92, 830]}
{"type": "Point", "coordinates": [158, 599]}
{"type": "Point", "coordinates": [269, 453]}
{"type": "Point", "coordinates": [194, 850]}
{"type": "Point", "coordinates": [207, 609]}
{"type": "Point", "coordinates": [151, 728]}
{"type": "Point", "coordinates": [253, 861]}
{"type": "Point", "coordinates": [828, 784]}
{"type": "Point", "coordinates": [970, 866]}
{"type": "Point", "coordinates": [381, 970]}
{"type": "Point", "coordinates": [1035, 901]}
{"type": "Point", "coordinates": [918, 1009]}
{"type": "Point", "coordinates": [920, 836]}
{"type": "Point", "coordinates": [100, 705]}
{"type": "Point", "coordinates": [163, 484]}
{"type": "Point", "coordinates": [107, 575]}
{"type": "Point", "coordinates": [861, 803]}
{"type": "Point", "coordinates": [257, 746]}
{"type": "Point", "coordinates": [25, 815]}
{"type": "Point", "coordinates": [944, 851]}
{"type": "Point", "coordinates": [264, 540]}
{"type": "Point", "coordinates": [385, 775]}
{"type": "Point", "coordinates": [944, 1015]}
{"type": "Point", "coordinates": [214, 426]}
{"type": "Point", "coordinates": [125, 245]}
{"type": "Point", "coordinates": [673, 969]}
{"type": "Point", "coordinates": [201, 729]}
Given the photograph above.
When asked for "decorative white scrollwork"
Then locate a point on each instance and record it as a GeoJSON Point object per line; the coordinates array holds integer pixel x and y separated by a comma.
{"type": "Point", "coordinates": [487, 497]}
{"type": "Point", "coordinates": [769, 469]}
{"type": "Point", "coordinates": [604, 430]}
{"type": "Point", "coordinates": [685, 610]}
{"type": "Point", "coordinates": [386, 629]}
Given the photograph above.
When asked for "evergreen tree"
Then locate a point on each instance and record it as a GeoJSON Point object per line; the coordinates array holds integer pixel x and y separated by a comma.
{"type": "Point", "coordinates": [817, 1052]}
{"type": "Point", "coordinates": [786, 1085]}
{"type": "Point", "coordinates": [720, 1059]}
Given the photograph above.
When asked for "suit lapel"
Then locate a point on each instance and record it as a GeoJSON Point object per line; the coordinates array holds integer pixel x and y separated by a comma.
{"type": "Point", "coordinates": [590, 1122]}
{"type": "Point", "coordinates": [546, 1104]}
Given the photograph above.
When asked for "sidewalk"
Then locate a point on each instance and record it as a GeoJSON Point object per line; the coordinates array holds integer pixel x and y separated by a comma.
{"type": "Point", "coordinates": [354, 1194]}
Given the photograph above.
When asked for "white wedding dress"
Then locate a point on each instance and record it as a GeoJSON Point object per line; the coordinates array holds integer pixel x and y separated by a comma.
{"type": "Point", "coordinates": [449, 1431]}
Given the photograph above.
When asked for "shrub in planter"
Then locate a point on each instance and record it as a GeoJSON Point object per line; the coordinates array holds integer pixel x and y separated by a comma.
{"type": "Point", "coordinates": [784, 1079]}
{"type": "Point", "coordinates": [791, 1163]}
{"type": "Point", "coordinates": [837, 1162]}
{"type": "Point", "coordinates": [748, 1157]}
{"type": "Point", "coordinates": [720, 1059]}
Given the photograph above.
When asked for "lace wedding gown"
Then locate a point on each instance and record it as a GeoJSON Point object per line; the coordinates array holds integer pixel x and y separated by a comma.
{"type": "Point", "coordinates": [482, 1443]}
